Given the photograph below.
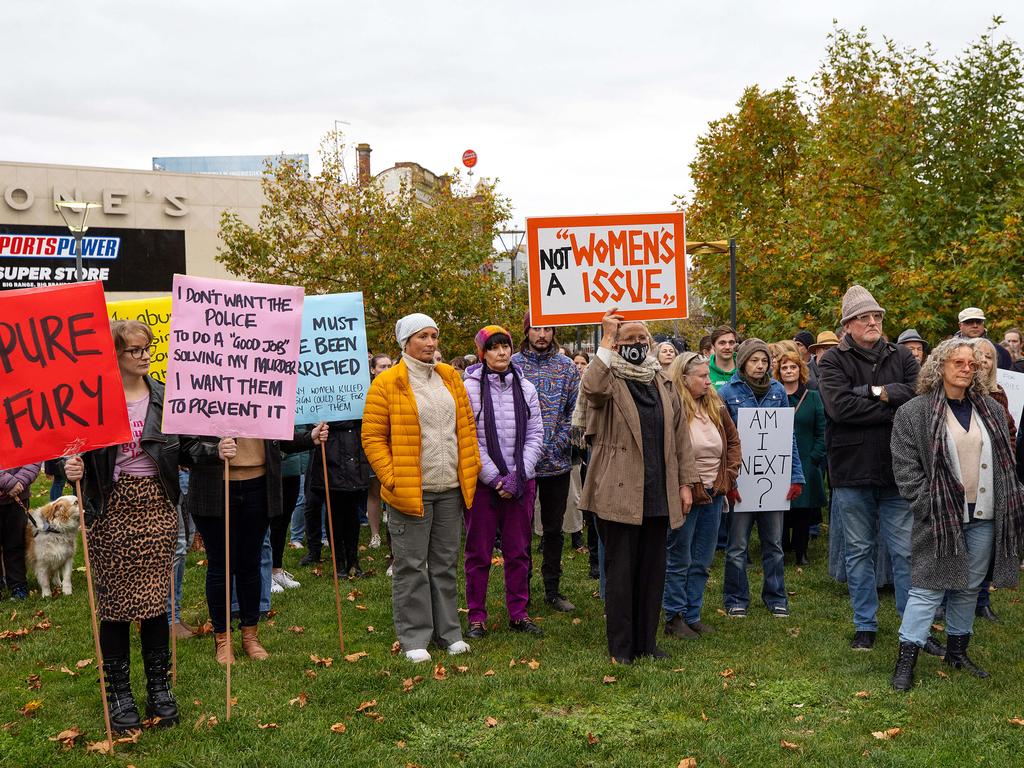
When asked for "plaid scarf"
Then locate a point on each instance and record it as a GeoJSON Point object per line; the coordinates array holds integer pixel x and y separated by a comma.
{"type": "Point", "coordinates": [946, 492]}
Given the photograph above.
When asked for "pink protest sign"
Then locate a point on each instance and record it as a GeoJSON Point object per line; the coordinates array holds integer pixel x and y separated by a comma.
{"type": "Point", "coordinates": [234, 352]}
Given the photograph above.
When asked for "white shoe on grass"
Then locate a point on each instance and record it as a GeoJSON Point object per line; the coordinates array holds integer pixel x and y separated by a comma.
{"type": "Point", "coordinates": [285, 580]}
{"type": "Point", "coordinates": [459, 646]}
{"type": "Point", "coordinates": [275, 588]}
{"type": "Point", "coordinates": [375, 541]}
{"type": "Point", "coordinates": [417, 655]}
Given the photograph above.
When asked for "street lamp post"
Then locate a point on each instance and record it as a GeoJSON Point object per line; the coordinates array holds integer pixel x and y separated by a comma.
{"type": "Point", "coordinates": [78, 228]}
{"type": "Point", "coordinates": [516, 237]}
{"type": "Point", "coordinates": [720, 247]}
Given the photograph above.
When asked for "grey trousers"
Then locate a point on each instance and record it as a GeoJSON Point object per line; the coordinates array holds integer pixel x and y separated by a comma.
{"type": "Point", "coordinates": [424, 593]}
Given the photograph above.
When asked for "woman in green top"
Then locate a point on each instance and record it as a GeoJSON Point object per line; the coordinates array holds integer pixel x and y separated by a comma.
{"type": "Point", "coordinates": [809, 426]}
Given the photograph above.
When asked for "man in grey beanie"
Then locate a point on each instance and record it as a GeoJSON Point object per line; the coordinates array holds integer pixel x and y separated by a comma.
{"type": "Point", "coordinates": [863, 380]}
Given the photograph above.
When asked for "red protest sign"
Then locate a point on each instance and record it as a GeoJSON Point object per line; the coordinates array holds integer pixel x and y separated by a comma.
{"type": "Point", "coordinates": [582, 266]}
{"type": "Point", "coordinates": [60, 388]}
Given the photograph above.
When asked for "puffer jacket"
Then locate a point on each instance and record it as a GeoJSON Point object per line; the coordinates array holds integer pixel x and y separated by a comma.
{"type": "Point", "coordinates": [738, 394]}
{"type": "Point", "coordinates": [557, 381]}
{"type": "Point", "coordinates": [503, 400]}
{"type": "Point", "coordinates": [391, 437]}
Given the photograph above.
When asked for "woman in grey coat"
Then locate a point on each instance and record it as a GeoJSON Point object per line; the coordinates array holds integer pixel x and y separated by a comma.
{"type": "Point", "coordinates": [954, 464]}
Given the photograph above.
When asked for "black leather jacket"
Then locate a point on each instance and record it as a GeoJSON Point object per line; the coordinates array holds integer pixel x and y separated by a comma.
{"type": "Point", "coordinates": [98, 481]}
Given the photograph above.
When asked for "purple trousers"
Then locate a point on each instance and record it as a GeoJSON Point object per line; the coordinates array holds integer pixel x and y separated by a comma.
{"type": "Point", "coordinates": [489, 514]}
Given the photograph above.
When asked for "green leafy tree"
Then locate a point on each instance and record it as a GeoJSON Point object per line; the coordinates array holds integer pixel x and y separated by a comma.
{"type": "Point", "coordinates": [405, 252]}
{"type": "Point", "coordinates": [898, 171]}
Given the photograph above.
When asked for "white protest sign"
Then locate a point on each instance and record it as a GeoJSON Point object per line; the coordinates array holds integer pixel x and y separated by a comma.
{"type": "Point", "coordinates": [582, 266]}
{"type": "Point", "coordinates": [766, 442]}
{"type": "Point", "coordinates": [1013, 384]}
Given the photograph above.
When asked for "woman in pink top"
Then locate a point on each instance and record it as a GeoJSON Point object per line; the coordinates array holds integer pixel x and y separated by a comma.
{"type": "Point", "coordinates": [130, 495]}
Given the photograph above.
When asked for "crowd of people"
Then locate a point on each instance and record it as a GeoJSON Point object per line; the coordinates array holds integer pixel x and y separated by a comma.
{"type": "Point", "coordinates": [906, 445]}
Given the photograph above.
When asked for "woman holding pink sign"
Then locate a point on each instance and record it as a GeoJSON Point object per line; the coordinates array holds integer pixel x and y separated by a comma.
{"type": "Point", "coordinates": [256, 496]}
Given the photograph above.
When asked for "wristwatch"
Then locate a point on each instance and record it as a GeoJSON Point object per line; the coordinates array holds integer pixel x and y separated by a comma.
{"type": "Point", "coordinates": [876, 392]}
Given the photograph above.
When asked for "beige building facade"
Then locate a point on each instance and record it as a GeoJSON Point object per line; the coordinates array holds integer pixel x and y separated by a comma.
{"type": "Point", "coordinates": [150, 224]}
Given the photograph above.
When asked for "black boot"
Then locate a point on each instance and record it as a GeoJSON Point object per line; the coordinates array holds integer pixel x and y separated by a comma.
{"type": "Point", "coordinates": [956, 655]}
{"type": "Point", "coordinates": [903, 677]}
{"type": "Point", "coordinates": [124, 715]}
{"type": "Point", "coordinates": [159, 699]}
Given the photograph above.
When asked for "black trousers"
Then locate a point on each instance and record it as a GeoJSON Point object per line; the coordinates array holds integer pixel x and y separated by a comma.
{"type": "Point", "coordinates": [279, 525]}
{"type": "Point", "coordinates": [796, 529]}
{"type": "Point", "coordinates": [634, 562]}
{"type": "Point", "coordinates": [345, 520]}
{"type": "Point", "coordinates": [553, 493]}
{"type": "Point", "coordinates": [248, 529]}
{"type": "Point", "coordinates": [154, 634]}
{"type": "Point", "coordinates": [12, 544]}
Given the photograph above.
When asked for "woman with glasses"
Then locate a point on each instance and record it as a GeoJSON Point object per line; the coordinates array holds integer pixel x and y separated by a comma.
{"type": "Point", "coordinates": [130, 497]}
{"type": "Point", "coordinates": [954, 464]}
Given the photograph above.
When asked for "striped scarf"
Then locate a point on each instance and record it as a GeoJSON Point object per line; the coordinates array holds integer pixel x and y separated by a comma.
{"type": "Point", "coordinates": [946, 492]}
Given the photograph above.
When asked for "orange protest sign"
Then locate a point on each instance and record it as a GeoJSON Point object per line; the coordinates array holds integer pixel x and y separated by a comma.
{"type": "Point", "coordinates": [581, 266]}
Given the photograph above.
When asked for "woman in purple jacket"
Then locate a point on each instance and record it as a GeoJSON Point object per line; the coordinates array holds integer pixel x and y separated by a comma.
{"type": "Point", "coordinates": [14, 499]}
{"type": "Point", "coordinates": [510, 431]}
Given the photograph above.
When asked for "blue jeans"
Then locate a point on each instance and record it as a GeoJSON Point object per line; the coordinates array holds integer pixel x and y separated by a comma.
{"type": "Point", "coordinates": [298, 524]}
{"type": "Point", "coordinates": [691, 550]}
{"type": "Point", "coordinates": [867, 512]}
{"type": "Point", "coordinates": [921, 603]}
{"type": "Point", "coordinates": [769, 530]}
{"type": "Point", "coordinates": [180, 552]}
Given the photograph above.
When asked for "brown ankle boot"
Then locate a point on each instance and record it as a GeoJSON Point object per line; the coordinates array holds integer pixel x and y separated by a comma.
{"type": "Point", "coordinates": [251, 644]}
{"type": "Point", "coordinates": [223, 647]}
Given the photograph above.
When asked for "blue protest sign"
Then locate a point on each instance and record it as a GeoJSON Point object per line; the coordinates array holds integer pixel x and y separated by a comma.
{"type": "Point", "coordinates": [334, 372]}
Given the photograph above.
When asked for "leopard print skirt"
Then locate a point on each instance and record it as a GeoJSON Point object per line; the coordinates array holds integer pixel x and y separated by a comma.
{"type": "Point", "coordinates": [131, 548]}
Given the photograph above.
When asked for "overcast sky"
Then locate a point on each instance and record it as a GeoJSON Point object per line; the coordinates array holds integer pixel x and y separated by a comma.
{"type": "Point", "coordinates": [577, 107]}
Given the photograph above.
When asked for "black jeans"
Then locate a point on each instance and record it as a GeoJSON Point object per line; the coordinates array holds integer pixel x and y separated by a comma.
{"type": "Point", "coordinates": [345, 519]}
{"type": "Point", "coordinates": [279, 525]}
{"type": "Point", "coordinates": [553, 493]}
{"type": "Point", "coordinates": [248, 500]}
{"type": "Point", "coordinates": [796, 530]}
{"type": "Point", "coordinates": [154, 634]}
{"type": "Point", "coordinates": [634, 562]}
{"type": "Point", "coordinates": [12, 543]}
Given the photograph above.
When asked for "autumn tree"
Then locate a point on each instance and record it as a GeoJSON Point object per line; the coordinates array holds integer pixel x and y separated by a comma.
{"type": "Point", "coordinates": [405, 252]}
{"type": "Point", "coordinates": [888, 168]}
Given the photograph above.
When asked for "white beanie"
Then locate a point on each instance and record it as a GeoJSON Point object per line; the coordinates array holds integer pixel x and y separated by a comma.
{"type": "Point", "coordinates": [411, 324]}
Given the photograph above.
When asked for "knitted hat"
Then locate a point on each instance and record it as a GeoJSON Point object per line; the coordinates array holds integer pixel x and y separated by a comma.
{"type": "Point", "coordinates": [484, 334]}
{"type": "Point", "coordinates": [748, 348]}
{"type": "Point", "coordinates": [825, 339]}
{"type": "Point", "coordinates": [526, 323]}
{"type": "Point", "coordinates": [805, 338]}
{"type": "Point", "coordinates": [412, 324]}
{"type": "Point", "coordinates": [857, 301]}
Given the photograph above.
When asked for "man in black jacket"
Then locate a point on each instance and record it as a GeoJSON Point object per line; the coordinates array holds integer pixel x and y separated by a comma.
{"type": "Point", "coordinates": [862, 382]}
{"type": "Point", "coordinates": [972, 326]}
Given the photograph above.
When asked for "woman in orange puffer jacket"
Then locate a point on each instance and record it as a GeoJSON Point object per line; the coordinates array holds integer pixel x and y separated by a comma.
{"type": "Point", "coordinates": [419, 436]}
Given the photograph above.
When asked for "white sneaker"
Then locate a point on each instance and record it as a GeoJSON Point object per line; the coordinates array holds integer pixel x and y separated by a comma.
{"type": "Point", "coordinates": [286, 580]}
{"type": "Point", "coordinates": [390, 571]}
{"type": "Point", "coordinates": [295, 545]}
{"type": "Point", "coordinates": [459, 646]}
{"type": "Point", "coordinates": [275, 587]}
{"type": "Point", "coordinates": [416, 655]}
{"type": "Point", "coordinates": [375, 541]}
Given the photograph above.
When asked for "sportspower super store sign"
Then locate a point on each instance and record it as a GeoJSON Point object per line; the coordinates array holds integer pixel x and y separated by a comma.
{"type": "Point", "coordinates": [122, 259]}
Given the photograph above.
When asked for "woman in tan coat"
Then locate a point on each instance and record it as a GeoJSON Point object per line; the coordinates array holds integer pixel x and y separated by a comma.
{"type": "Point", "coordinates": [638, 482]}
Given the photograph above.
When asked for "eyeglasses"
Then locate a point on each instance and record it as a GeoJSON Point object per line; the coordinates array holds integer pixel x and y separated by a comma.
{"type": "Point", "coordinates": [136, 353]}
{"type": "Point", "coordinates": [869, 317]}
{"type": "Point", "coordinates": [968, 364]}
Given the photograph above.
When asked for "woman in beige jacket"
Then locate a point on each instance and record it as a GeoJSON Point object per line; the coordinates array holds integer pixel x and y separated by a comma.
{"type": "Point", "coordinates": [638, 482]}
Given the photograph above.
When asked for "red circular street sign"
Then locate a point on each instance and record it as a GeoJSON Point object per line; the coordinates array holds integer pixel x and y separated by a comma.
{"type": "Point", "coordinates": [469, 158]}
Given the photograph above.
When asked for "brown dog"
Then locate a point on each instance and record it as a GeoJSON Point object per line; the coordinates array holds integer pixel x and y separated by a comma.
{"type": "Point", "coordinates": [51, 538]}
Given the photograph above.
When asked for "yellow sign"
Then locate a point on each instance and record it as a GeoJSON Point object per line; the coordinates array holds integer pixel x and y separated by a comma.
{"type": "Point", "coordinates": [156, 313]}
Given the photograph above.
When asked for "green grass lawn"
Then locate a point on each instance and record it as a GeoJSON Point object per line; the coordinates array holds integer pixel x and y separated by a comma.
{"type": "Point", "coordinates": [728, 699]}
